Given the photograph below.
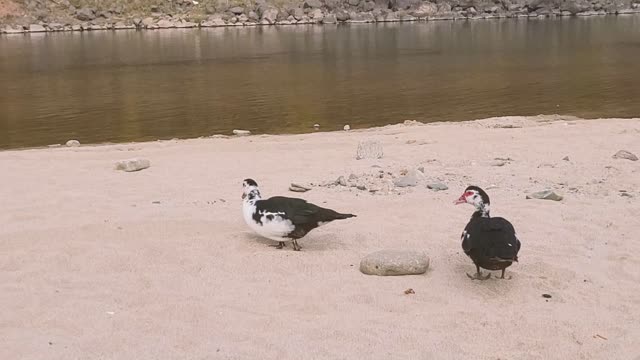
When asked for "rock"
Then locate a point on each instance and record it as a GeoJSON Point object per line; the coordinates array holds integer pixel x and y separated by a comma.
{"type": "Point", "coordinates": [497, 163]}
{"type": "Point", "coordinates": [237, 10]}
{"type": "Point", "coordinates": [85, 14]}
{"type": "Point", "coordinates": [329, 19]}
{"type": "Point", "coordinates": [369, 6]}
{"type": "Point", "coordinates": [243, 18]}
{"type": "Point", "coordinates": [317, 15]}
{"type": "Point", "coordinates": [313, 4]}
{"type": "Point", "coordinates": [213, 21]}
{"type": "Point", "coordinates": [624, 154]}
{"type": "Point", "coordinates": [73, 143]}
{"type": "Point", "coordinates": [353, 2]}
{"type": "Point", "coordinates": [241, 132]}
{"type": "Point", "coordinates": [133, 164]}
{"type": "Point", "coordinates": [346, 128]}
{"type": "Point", "coordinates": [36, 28]}
{"type": "Point", "coordinates": [316, 126]}
{"type": "Point", "coordinates": [369, 149]}
{"type": "Point", "coordinates": [271, 15]}
{"type": "Point", "coordinates": [298, 14]}
{"type": "Point", "coordinates": [408, 180]}
{"type": "Point", "coordinates": [426, 9]}
{"type": "Point", "coordinates": [76, 28]}
{"type": "Point", "coordinates": [166, 24]}
{"type": "Point", "coordinates": [122, 26]}
{"type": "Point", "coordinates": [341, 181]}
{"type": "Point", "coordinates": [148, 21]}
{"type": "Point", "coordinates": [437, 186]}
{"type": "Point", "coordinates": [253, 16]}
{"type": "Point", "coordinates": [409, 291]}
{"type": "Point", "coordinates": [545, 195]}
{"type": "Point", "coordinates": [394, 262]}
{"type": "Point", "coordinates": [566, 158]}
{"type": "Point", "coordinates": [342, 16]}
{"type": "Point", "coordinates": [11, 30]}
{"type": "Point", "coordinates": [298, 188]}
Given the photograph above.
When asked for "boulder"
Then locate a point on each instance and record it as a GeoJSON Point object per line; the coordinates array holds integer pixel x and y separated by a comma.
{"type": "Point", "coordinates": [135, 164]}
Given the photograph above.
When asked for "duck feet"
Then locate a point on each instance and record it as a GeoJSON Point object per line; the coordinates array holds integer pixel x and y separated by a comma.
{"type": "Point", "coordinates": [296, 247]}
{"type": "Point", "coordinates": [502, 277]}
{"type": "Point", "coordinates": [279, 246]}
{"type": "Point", "coordinates": [479, 276]}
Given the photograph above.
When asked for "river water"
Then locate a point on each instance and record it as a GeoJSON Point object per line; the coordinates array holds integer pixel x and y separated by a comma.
{"type": "Point", "coordinates": [145, 85]}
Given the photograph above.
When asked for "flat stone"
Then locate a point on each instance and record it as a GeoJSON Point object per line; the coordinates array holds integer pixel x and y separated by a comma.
{"type": "Point", "coordinates": [394, 262]}
{"type": "Point", "coordinates": [437, 186]}
{"type": "Point", "coordinates": [545, 195]}
{"type": "Point", "coordinates": [73, 143]}
{"type": "Point", "coordinates": [369, 149]}
{"type": "Point", "coordinates": [346, 128]}
{"type": "Point", "coordinates": [298, 188]}
{"type": "Point", "coordinates": [241, 132]}
{"type": "Point", "coordinates": [135, 164]}
{"type": "Point", "coordinates": [408, 180]}
{"type": "Point", "coordinates": [497, 163]}
{"type": "Point", "coordinates": [624, 154]}
{"type": "Point", "coordinates": [36, 28]}
{"type": "Point", "coordinates": [237, 10]}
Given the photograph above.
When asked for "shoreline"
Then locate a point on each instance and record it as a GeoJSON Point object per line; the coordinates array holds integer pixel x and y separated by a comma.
{"type": "Point", "coordinates": [159, 264]}
{"type": "Point", "coordinates": [545, 117]}
{"type": "Point", "coordinates": [160, 22]}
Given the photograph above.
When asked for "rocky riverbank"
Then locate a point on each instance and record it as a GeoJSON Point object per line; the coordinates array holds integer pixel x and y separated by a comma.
{"type": "Point", "coordinates": [84, 15]}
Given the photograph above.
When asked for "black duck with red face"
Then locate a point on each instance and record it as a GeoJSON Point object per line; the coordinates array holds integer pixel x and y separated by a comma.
{"type": "Point", "coordinates": [490, 242]}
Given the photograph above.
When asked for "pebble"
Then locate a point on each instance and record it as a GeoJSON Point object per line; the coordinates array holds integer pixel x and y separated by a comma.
{"type": "Point", "coordinates": [409, 291]}
{"type": "Point", "coordinates": [73, 143]}
{"type": "Point", "coordinates": [624, 154]}
{"type": "Point", "coordinates": [341, 181]}
{"type": "Point", "coordinates": [437, 186]}
{"type": "Point", "coordinates": [497, 163]}
{"type": "Point", "coordinates": [298, 188]}
{"type": "Point", "coordinates": [566, 158]}
{"type": "Point", "coordinates": [316, 126]}
{"type": "Point", "coordinates": [135, 164]}
{"type": "Point", "coordinates": [411, 179]}
{"type": "Point", "coordinates": [241, 132]}
{"type": "Point", "coordinates": [394, 262]}
{"type": "Point", "coordinates": [347, 128]}
{"type": "Point", "coordinates": [369, 149]}
{"type": "Point", "coordinates": [546, 296]}
{"type": "Point", "coordinates": [545, 195]}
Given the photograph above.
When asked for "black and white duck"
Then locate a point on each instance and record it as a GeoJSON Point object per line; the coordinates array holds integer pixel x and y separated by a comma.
{"type": "Point", "coordinates": [490, 242]}
{"type": "Point", "coordinates": [283, 219]}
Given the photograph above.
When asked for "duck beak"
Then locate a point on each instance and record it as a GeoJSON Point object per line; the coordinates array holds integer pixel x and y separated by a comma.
{"type": "Point", "coordinates": [461, 200]}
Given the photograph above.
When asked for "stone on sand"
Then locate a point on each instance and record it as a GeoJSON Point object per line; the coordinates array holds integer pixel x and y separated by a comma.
{"type": "Point", "coordinates": [395, 262]}
{"type": "Point", "coordinates": [135, 164]}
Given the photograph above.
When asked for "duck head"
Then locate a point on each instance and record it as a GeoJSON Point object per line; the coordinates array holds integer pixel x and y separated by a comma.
{"type": "Point", "coordinates": [250, 190]}
{"type": "Point", "coordinates": [477, 197]}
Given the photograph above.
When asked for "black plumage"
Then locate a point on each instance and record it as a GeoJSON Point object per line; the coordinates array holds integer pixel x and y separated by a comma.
{"type": "Point", "coordinates": [490, 242]}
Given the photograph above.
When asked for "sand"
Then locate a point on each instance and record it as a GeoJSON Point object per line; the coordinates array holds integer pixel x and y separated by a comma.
{"type": "Point", "coordinates": [158, 264]}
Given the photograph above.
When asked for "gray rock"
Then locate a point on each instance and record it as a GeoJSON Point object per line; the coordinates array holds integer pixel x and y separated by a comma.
{"type": "Point", "coordinates": [369, 6]}
{"type": "Point", "coordinates": [237, 10]}
{"type": "Point", "coordinates": [437, 186]}
{"type": "Point", "coordinates": [566, 158]}
{"type": "Point", "coordinates": [298, 13]}
{"type": "Point", "coordinates": [317, 15]}
{"type": "Point", "coordinates": [409, 180]}
{"type": "Point", "coordinates": [73, 143]}
{"type": "Point", "coordinates": [369, 149]}
{"type": "Point", "coordinates": [342, 16]}
{"type": "Point", "coordinates": [166, 24]}
{"type": "Point", "coordinates": [313, 4]}
{"type": "Point", "coordinates": [271, 15]}
{"type": "Point", "coordinates": [13, 30]}
{"type": "Point", "coordinates": [394, 262]}
{"type": "Point", "coordinates": [253, 16]}
{"type": "Point", "coordinates": [329, 19]}
{"type": "Point", "coordinates": [76, 28]}
{"type": "Point", "coordinates": [241, 132]}
{"type": "Point", "coordinates": [148, 21]}
{"type": "Point", "coordinates": [36, 28]}
{"type": "Point", "coordinates": [545, 195]}
{"type": "Point", "coordinates": [497, 163]}
{"type": "Point", "coordinates": [55, 27]}
{"type": "Point", "coordinates": [130, 165]}
{"type": "Point", "coordinates": [243, 18]}
{"type": "Point", "coordinates": [624, 154]}
{"type": "Point", "coordinates": [426, 9]}
{"type": "Point", "coordinates": [85, 14]}
{"type": "Point", "coordinates": [341, 181]}
{"type": "Point", "coordinates": [353, 2]}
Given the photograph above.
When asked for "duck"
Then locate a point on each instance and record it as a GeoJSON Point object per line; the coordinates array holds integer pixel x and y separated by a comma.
{"type": "Point", "coordinates": [283, 219]}
{"type": "Point", "coordinates": [490, 242]}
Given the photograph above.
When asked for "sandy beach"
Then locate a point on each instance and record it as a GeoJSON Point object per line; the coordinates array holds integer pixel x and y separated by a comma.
{"type": "Point", "coordinates": [158, 264]}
